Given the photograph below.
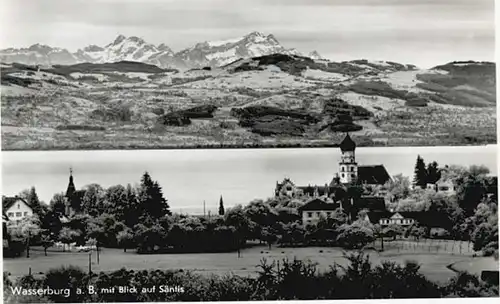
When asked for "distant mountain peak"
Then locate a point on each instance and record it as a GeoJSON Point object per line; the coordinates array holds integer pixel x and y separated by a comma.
{"type": "Point", "coordinates": [133, 48]}
{"type": "Point", "coordinates": [93, 48]}
{"type": "Point", "coordinates": [136, 39]}
{"type": "Point", "coordinates": [315, 55]}
{"type": "Point", "coordinates": [39, 46]}
{"type": "Point", "coordinates": [164, 47]}
{"type": "Point", "coordinates": [256, 34]}
{"type": "Point", "coordinates": [119, 39]}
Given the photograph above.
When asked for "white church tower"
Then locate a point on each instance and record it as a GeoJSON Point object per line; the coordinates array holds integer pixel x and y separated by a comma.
{"type": "Point", "coordinates": [348, 172]}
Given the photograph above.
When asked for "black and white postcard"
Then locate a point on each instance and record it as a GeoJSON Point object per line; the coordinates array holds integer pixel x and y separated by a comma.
{"type": "Point", "coordinates": [248, 150]}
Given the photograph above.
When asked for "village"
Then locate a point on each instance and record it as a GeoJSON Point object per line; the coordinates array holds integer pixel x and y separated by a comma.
{"type": "Point", "coordinates": [357, 192]}
{"type": "Point", "coordinates": [444, 215]}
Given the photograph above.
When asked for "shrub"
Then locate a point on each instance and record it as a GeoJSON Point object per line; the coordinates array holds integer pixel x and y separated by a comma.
{"type": "Point", "coordinates": [227, 125]}
{"type": "Point", "coordinates": [203, 111]}
{"type": "Point", "coordinates": [275, 125]}
{"type": "Point", "coordinates": [80, 127]}
{"type": "Point", "coordinates": [467, 285]}
{"type": "Point", "coordinates": [174, 119]}
{"type": "Point", "coordinates": [158, 111]}
{"type": "Point", "coordinates": [15, 248]}
{"type": "Point", "coordinates": [336, 107]}
{"type": "Point", "coordinates": [116, 113]}
{"type": "Point", "coordinates": [345, 127]}
{"type": "Point", "coordinates": [23, 82]}
{"type": "Point", "coordinates": [247, 67]}
{"type": "Point", "coordinates": [416, 102]}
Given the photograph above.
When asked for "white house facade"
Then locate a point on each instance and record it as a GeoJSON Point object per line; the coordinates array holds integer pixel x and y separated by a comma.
{"type": "Point", "coordinates": [17, 209]}
{"type": "Point", "coordinates": [396, 219]}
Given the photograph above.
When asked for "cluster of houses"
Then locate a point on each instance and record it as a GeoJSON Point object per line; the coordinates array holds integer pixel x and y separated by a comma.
{"type": "Point", "coordinates": [16, 208]}
{"type": "Point", "coordinates": [322, 201]}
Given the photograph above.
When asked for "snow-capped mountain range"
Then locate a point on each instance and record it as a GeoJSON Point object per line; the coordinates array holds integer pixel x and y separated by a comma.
{"type": "Point", "coordinates": [208, 53]}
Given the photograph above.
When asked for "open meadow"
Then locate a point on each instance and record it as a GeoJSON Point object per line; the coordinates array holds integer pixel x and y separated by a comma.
{"type": "Point", "coordinates": [434, 261]}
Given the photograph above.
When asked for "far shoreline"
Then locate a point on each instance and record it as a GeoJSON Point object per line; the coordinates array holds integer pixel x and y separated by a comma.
{"type": "Point", "coordinates": [230, 147]}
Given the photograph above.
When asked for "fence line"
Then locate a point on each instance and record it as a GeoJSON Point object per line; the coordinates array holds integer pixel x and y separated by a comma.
{"type": "Point", "coordinates": [452, 247]}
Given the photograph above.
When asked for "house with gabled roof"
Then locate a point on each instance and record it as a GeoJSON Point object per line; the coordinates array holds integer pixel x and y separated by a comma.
{"type": "Point", "coordinates": [391, 218]}
{"type": "Point", "coordinates": [315, 209]}
{"type": "Point", "coordinates": [16, 208]}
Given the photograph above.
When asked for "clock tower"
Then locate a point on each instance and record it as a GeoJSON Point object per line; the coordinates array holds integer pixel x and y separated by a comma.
{"type": "Point", "coordinates": [348, 168]}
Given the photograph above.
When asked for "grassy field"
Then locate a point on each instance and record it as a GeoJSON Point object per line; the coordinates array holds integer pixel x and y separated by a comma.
{"type": "Point", "coordinates": [433, 264]}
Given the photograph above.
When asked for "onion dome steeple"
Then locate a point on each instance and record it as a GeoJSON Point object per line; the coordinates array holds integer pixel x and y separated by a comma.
{"type": "Point", "coordinates": [347, 144]}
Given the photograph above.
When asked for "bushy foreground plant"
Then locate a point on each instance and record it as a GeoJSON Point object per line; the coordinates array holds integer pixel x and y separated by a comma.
{"type": "Point", "coordinates": [277, 280]}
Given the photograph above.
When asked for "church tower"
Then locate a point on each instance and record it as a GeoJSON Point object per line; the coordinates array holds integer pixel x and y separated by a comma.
{"type": "Point", "coordinates": [69, 194]}
{"type": "Point", "coordinates": [348, 167]}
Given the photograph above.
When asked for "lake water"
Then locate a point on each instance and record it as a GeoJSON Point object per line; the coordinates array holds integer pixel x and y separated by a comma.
{"type": "Point", "coordinates": [189, 177]}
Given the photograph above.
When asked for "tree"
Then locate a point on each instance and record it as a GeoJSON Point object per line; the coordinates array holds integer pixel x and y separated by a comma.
{"type": "Point", "coordinates": [25, 231]}
{"type": "Point", "coordinates": [58, 204]}
{"type": "Point", "coordinates": [67, 235]}
{"type": "Point", "coordinates": [125, 239]}
{"type": "Point", "coordinates": [115, 201]}
{"type": "Point", "coordinates": [51, 223]}
{"type": "Point", "coordinates": [260, 213]}
{"type": "Point", "coordinates": [46, 242]}
{"type": "Point", "coordinates": [149, 237]}
{"type": "Point", "coordinates": [415, 231]}
{"type": "Point", "coordinates": [221, 206]}
{"type": "Point", "coordinates": [236, 217]}
{"type": "Point", "coordinates": [151, 202]}
{"type": "Point", "coordinates": [378, 232]}
{"type": "Point", "coordinates": [485, 233]}
{"type": "Point", "coordinates": [93, 199]}
{"type": "Point", "coordinates": [356, 235]}
{"type": "Point", "coordinates": [293, 233]}
{"type": "Point", "coordinates": [34, 202]}
{"type": "Point", "coordinates": [398, 188]}
{"type": "Point", "coordinates": [433, 173]}
{"type": "Point", "coordinates": [130, 210]}
{"type": "Point", "coordinates": [96, 230]}
{"type": "Point", "coordinates": [420, 177]}
{"type": "Point", "coordinates": [269, 236]}
{"type": "Point", "coordinates": [393, 230]}
{"type": "Point", "coordinates": [79, 222]}
{"type": "Point", "coordinates": [472, 186]}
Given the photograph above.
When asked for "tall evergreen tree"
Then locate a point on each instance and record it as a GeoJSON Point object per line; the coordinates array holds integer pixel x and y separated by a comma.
{"type": "Point", "coordinates": [221, 206]}
{"type": "Point", "coordinates": [130, 216]}
{"type": "Point", "coordinates": [34, 203]}
{"type": "Point", "coordinates": [420, 177]}
{"type": "Point", "coordinates": [433, 172]}
{"type": "Point", "coordinates": [152, 204]}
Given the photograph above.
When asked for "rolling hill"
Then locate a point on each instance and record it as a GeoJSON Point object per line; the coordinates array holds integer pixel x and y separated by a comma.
{"type": "Point", "coordinates": [273, 100]}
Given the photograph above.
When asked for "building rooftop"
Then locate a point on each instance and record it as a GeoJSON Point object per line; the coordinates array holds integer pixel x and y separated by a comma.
{"type": "Point", "coordinates": [7, 202]}
{"type": "Point", "coordinates": [347, 144]}
{"type": "Point", "coordinates": [317, 204]}
{"type": "Point", "coordinates": [374, 175]}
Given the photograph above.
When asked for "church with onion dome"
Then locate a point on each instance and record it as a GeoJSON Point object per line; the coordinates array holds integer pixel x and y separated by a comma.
{"type": "Point", "coordinates": [349, 173]}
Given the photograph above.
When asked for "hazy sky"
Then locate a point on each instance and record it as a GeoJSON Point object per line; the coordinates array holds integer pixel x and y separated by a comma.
{"type": "Point", "coordinates": [422, 32]}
